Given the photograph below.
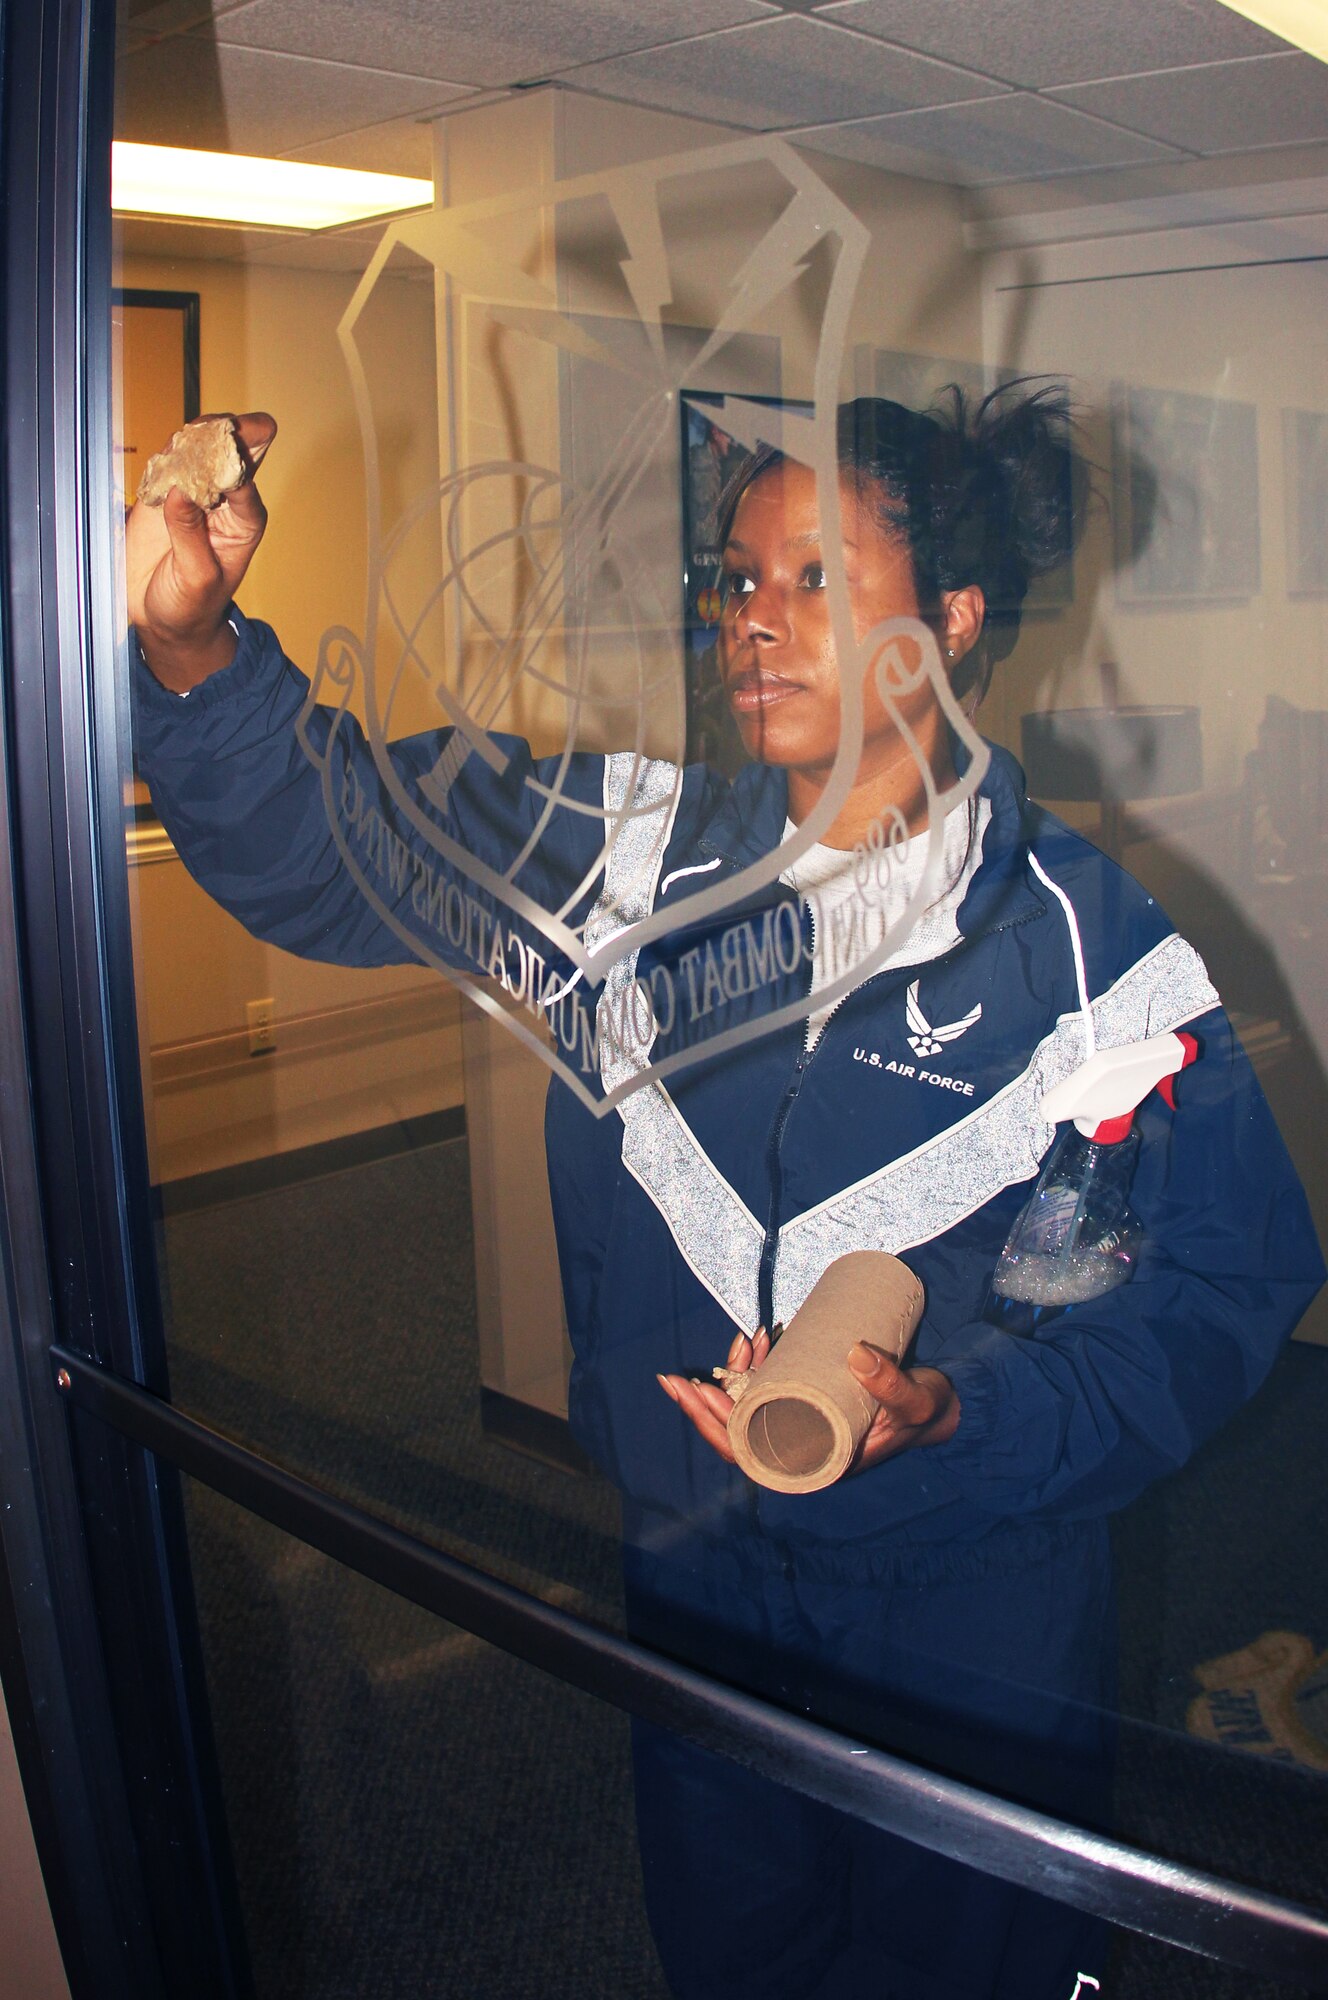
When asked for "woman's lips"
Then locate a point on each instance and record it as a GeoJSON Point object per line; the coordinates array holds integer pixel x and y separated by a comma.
{"type": "Point", "coordinates": [751, 690]}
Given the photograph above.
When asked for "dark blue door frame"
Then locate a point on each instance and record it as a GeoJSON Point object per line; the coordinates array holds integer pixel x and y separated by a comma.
{"type": "Point", "coordinates": [98, 1641]}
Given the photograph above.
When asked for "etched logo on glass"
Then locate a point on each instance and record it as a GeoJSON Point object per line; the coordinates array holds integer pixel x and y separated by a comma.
{"type": "Point", "coordinates": [540, 839]}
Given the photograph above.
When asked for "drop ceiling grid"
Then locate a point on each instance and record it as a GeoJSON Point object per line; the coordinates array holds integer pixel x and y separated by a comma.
{"type": "Point", "coordinates": [292, 76]}
{"type": "Point", "coordinates": [485, 44]}
{"type": "Point", "coordinates": [143, 25]}
{"type": "Point", "coordinates": [780, 74]}
{"type": "Point", "coordinates": [1224, 107]}
{"type": "Point", "coordinates": [1019, 137]}
{"type": "Point", "coordinates": [1032, 45]}
{"type": "Point", "coordinates": [182, 91]}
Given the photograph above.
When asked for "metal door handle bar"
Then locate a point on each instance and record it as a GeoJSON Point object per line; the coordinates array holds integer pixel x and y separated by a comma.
{"type": "Point", "coordinates": [1126, 1885]}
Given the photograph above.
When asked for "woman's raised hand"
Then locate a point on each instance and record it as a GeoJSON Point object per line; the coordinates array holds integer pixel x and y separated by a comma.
{"type": "Point", "coordinates": [183, 567]}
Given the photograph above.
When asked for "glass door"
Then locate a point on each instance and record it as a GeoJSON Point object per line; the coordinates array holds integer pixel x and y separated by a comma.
{"type": "Point", "coordinates": [693, 773]}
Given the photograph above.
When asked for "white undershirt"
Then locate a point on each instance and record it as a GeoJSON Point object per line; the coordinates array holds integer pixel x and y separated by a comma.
{"type": "Point", "coordinates": [854, 900]}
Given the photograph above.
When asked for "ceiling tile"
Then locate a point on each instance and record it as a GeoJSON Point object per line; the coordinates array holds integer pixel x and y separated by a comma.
{"type": "Point", "coordinates": [1010, 138]}
{"type": "Point", "coordinates": [1031, 44]}
{"type": "Point", "coordinates": [144, 21]}
{"type": "Point", "coordinates": [790, 71]}
{"type": "Point", "coordinates": [481, 42]}
{"type": "Point", "coordinates": [190, 92]}
{"type": "Point", "coordinates": [397, 146]}
{"type": "Point", "coordinates": [1223, 108]}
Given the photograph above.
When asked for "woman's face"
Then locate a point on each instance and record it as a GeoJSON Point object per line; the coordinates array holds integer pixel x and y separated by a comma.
{"type": "Point", "coordinates": [777, 646]}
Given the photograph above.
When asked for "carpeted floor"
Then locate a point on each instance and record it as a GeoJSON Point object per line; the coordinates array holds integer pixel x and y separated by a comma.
{"type": "Point", "coordinates": [413, 1813]}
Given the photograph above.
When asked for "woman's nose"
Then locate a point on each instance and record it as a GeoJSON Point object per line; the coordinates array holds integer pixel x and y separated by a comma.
{"type": "Point", "coordinates": [763, 616]}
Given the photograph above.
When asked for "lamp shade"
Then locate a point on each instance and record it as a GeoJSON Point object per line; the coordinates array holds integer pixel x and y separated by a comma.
{"type": "Point", "coordinates": [1097, 754]}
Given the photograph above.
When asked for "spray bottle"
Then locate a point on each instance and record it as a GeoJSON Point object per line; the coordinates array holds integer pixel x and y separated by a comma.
{"type": "Point", "coordinates": [1076, 1237]}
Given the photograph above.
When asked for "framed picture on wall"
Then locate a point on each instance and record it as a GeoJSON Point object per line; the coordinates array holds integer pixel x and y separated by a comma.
{"type": "Point", "coordinates": [1305, 462]}
{"type": "Point", "coordinates": [157, 337]}
{"type": "Point", "coordinates": [600, 407]}
{"type": "Point", "coordinates": [1185, 494]}
{"type": "Point", "coordinates": [710, 457]}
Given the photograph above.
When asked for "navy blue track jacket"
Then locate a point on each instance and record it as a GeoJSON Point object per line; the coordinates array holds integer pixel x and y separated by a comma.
{"type": "Point", "coordinates": [712, 1201]}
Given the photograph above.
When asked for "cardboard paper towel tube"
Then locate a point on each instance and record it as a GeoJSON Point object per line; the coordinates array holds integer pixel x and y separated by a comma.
{"type": "Point", "coordinates": [800, 1417]}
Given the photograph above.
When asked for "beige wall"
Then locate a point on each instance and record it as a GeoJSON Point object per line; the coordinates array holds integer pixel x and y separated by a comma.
{"type": "Point", "coordinates": [354, 1049]}
{"type": "Point", "coordinates": [30, 1964]}
{"type": "Point", "coordinates": [1255, 333]}
{"type": "Point", "coordinates": [916, 229]}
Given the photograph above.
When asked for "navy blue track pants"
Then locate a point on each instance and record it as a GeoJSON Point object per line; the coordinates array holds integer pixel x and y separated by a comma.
{"type": "Point", "coordinates": [756, 1893]}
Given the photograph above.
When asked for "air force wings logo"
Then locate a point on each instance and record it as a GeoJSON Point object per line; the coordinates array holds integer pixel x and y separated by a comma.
{"type": "Point", "coordinates": [923, 1039]}
{"type": "Point", "coordinates": [505, 750]}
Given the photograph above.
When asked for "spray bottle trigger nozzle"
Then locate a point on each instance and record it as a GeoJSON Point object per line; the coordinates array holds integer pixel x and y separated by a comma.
{"type": "Point", "coordinates": [1167, 1087]}
{"type": "Point", "coordinates": [1102, 1096]}
{"type": "Point", "coordinates": [1112, 1130]}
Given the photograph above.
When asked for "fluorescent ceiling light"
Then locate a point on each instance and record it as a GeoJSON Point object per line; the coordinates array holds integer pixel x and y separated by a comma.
{"type": "Point", "coordinates": [1304, 22]}
{"type": "Point", "coordinates": [232, 187]}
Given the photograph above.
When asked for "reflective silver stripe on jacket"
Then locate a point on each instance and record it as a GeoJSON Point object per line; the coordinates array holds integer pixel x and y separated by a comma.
{"type": "Point", "coordinates": [631, 873]}
{"type": "Point", "coordinates": [908, 1201]}
{"type": "Point", "coordinates": [919, 1197]}
{"type": "Point", "coordinates": [716, 1233]}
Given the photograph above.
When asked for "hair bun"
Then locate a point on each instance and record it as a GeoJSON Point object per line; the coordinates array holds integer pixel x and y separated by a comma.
{"type": "Point", "coordinates": [996, 500]}
{"type": "Point", "coordinates": [1029, 440]}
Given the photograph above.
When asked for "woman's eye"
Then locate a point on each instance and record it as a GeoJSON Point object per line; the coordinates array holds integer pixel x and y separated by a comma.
{"type": "Point", "coordinates": [737, 584]}
{"type": "Point", "coordinates": [813, 577]}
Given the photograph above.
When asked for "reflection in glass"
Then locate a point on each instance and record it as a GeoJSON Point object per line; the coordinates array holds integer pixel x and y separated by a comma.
{"type": "Point", "coordinates": [776, 916]}
{"type": "Point", "coordinates": [410, 1811]}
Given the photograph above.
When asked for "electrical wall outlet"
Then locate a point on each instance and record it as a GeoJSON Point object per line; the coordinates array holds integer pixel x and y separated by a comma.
{"type": "Point", "coordinates": [261, 1018]}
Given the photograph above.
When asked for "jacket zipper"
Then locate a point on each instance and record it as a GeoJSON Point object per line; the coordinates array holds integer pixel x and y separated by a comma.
{"type": "Point", "coordinates": [765, 1282]}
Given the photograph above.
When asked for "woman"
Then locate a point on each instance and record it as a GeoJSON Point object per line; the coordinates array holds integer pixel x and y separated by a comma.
{"type": "Point", "coordinates": [952, 1598]}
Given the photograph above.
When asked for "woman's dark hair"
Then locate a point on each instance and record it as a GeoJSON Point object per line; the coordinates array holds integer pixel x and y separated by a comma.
{"type": "Point", "coordinates": [989, 493]}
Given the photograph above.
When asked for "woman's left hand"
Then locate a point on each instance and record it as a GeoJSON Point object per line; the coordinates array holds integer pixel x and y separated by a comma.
{"type": "Point", "coordinates": [914, 1405]}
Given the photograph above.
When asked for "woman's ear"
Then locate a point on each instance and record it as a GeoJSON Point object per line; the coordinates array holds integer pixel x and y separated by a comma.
{"type": "Point", "coordinates": [962, 615]}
